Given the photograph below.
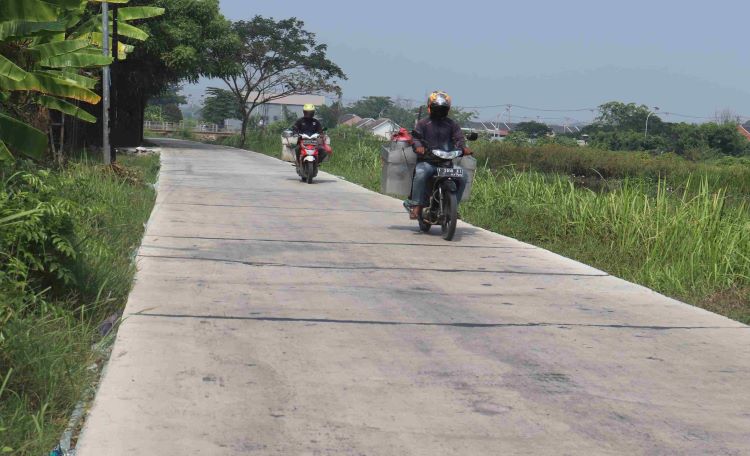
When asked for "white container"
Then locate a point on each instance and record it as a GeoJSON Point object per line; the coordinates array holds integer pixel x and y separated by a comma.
{"type": "Point", "coordinates": [469, 164]}
{"type": "Point", "coordinates": [399, 161]}
{"type": "Point", "coordinates": [288, 146]}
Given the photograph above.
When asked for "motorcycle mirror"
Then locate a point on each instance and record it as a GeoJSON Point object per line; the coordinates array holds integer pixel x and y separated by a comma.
{"type": "Point", "coordinates": [473, 136]}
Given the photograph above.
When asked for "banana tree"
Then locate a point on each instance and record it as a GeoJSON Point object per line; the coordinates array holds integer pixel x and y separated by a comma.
{"type": "Point", "coordinates": [50, 51]}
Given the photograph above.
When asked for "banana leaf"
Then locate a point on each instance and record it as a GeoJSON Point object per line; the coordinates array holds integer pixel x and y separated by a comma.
{"type": "Point", "coordinates": [49, 85]}
{"type": "Point", "coordinates": [22, 137]}
{"type": "Point", "coordinates": [93, 27]}
{"type": "Point", "coordinates": [68, 4]}
{"type": "Point", "coordinates": [10, 70]}
{"type": "Point", "coordinates": [4, 155]}
{"type": "Point", "coordinates": [132, 13]}
{"type": "Point", "coordinates": [127, 30]}
{"type": "Point", "coordinates": [77, 60]}
{"type": "Point", "coordinates": [24, 29]}
{"type": "Point", "coordinates": [96, 38]}
{"type": "Point", "coordinates": [27, 11]}
{"type": "Point", "coordinates": [65, 107]}
{"type": "Point", "coordinates": [57, 48]}
{"type": "Point", "coordinates": [71, 76]}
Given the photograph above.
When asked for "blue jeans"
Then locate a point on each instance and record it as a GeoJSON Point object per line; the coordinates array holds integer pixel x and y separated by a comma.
{"type": "Point", "coordinates": [422, 174]}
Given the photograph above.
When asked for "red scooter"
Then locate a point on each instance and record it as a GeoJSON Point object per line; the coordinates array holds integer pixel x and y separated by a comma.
{"type": "Point", "coordinates": [309, 155]}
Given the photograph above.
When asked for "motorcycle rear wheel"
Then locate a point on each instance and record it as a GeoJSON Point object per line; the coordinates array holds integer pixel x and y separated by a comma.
{"type": "Point", "coordinates": [449, 217]}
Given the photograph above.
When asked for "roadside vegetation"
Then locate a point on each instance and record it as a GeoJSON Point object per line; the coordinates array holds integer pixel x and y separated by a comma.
{"type": "Point", "coordinates": [68, 225]}
{"type": "Point", "coordinates": [678, 226]}
{"type": "Point", "coordinates": [67, 237]}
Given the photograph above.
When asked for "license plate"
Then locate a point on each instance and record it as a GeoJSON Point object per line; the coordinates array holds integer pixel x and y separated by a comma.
{"type": "Point", "coordinates": [450, 172]}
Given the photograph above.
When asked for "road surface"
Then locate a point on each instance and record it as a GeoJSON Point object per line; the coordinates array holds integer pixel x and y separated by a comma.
{"type": "Point", "coordinates": [273, 317]}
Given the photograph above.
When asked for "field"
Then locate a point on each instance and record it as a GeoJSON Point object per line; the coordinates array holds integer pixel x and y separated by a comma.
{"type": "Point", "coordinates": [679, 227]}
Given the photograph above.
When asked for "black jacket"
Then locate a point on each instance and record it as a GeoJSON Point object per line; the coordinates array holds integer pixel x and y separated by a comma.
{"type": "Point", "coordinates": [307, 126]}
{"type": "Point", "coordinates": [442, 134]}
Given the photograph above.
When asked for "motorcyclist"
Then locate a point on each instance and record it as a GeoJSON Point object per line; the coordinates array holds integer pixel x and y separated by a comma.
{"type": "Point", "coordinates": [309, 125]}
{"type": "Point", "coordinates": [437, 131]}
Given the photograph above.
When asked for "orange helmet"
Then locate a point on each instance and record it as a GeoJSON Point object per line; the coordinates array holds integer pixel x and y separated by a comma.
{"type": "Point", "coordinates": [438, 104]}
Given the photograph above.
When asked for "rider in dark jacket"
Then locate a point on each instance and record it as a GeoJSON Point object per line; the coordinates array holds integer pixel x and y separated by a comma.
{"type": "Point", "coordinates": [438, 131]}
{"type": "Point", "coordinates": [309, 125]}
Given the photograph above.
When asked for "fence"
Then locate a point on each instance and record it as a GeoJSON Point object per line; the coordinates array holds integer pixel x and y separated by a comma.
{"type": "Point", "coordinates": [205, 128]}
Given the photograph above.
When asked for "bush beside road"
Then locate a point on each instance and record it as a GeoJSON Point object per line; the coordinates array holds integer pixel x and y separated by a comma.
{"type": "Point", "coordinates": [67, 266]}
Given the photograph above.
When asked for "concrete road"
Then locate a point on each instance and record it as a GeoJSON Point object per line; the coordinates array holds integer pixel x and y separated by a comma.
{"type": "Point", "coordinates": [273, 317]}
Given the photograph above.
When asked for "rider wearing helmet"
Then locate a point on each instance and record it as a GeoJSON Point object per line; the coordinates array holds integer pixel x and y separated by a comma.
{"type": "Point", "coordinates": [437, 131]}
{"type": "Point", "coordinates": [309, 125]}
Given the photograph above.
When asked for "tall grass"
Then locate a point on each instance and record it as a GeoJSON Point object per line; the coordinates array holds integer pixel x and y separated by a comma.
{"type": "Point", "coordinates": [678, 227]}
{"type": "Point", "coordinates": [586, 164]}
{"type": "Point", "coordinates": [691, 246]}
{"type": "Point", "coordinates": [46, 348]}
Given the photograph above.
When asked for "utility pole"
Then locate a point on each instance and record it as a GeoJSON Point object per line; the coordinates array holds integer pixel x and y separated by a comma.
{"type": "Point", "coordinates": [106, 151]}
{"type": "Point", "coordinates": [113, 76]}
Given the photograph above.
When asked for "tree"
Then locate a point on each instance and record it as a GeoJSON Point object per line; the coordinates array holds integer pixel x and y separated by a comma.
{"type": "Point", "coordinates": [329, 115]}
{"type": "Point", "coordinates": [219, 105]}
{"type": "Point", "coordinates": [462, 117]}
{"type": "Point", "coordinates": [371, 106]}
{"type": "Point", "coordinates": [399, 111]}
{"type": "Point", "coordinates": [628, 117]}
{"type": "Point", "coordinates": [728, 116]}
{"type": "Point", "coordinates": [274, 59]}
{"type": "Point", "coordinates": [183, 46]}
{"type": "Point", "coordinates": [533, 129]}
{"type": "Point", "coordinates": [517, 138]}
{"type": "Point", "coordinates": [48, 54]}
{"type": "Point", "coordinates": [169, 102]}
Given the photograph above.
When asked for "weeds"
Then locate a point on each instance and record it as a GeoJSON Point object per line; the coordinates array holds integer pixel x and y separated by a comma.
{"type": "Point", "coordinates": [67, 265]}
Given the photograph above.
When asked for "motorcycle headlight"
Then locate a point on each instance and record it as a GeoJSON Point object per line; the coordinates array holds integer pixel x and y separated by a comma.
{"type": "Point", "coordinates": [446, 155]}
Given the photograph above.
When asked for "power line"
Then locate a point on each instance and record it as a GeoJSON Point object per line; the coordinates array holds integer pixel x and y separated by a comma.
{"type": "Point", "coordinates": [528, 108]}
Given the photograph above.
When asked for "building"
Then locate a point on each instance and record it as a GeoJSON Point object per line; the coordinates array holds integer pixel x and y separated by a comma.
{"type": "Point", "coordinates": [384, 128]}
{"type": "Point", "coordinates": [744, 130]}
{"type": "Point", "coordinates": [495, 131]}
{"type": "Point", "coordinates": [273, 111]}
{"type": "Point", "coordinates": [350, 119]}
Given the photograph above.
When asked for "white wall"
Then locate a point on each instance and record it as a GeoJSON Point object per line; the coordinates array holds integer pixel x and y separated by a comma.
{"type": "Point", "coordinates": [385, 130]}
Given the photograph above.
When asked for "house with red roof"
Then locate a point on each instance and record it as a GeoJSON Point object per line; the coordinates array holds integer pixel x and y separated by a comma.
{"type": "Point", "coordinates": [743, 129]}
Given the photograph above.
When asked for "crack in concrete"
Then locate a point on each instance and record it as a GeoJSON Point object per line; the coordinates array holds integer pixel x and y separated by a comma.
{"type": "Point", "coordinates": [437, 324]}
{"type": "Point", "coordinates": [284, 208]}
{"type": "Point", "coordinates": [299, 241]}
{"type": "Point", "coordinates": [372, 268]}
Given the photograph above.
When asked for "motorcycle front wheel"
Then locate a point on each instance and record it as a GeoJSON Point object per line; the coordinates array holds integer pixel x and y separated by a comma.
{"type": "Point", "coordinates": [424, 226]}
{"type": "Point", "coordinates": [449, 216]}
{"type": "Point", "coordinates": [309, 171]}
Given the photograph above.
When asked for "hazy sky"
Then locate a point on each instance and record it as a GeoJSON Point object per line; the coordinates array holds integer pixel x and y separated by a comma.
{"type": "Point", "coordinates": [685, 57]}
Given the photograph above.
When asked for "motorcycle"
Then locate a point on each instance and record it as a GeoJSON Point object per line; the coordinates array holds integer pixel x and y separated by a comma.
{"type": "Point", "coordinates": [442, 208]}
{"type": "Point", "coordinates": [309, 155]}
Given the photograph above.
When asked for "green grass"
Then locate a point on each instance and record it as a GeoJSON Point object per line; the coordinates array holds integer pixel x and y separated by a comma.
{"type": "Point", "coordinates": [692, 246]}
{"type": "Point", "coordinates": [678, 227]}
{"type": "Point", "coordinates": [48, 330]}
{"type": "Point", "coordinates": [592, 167]}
